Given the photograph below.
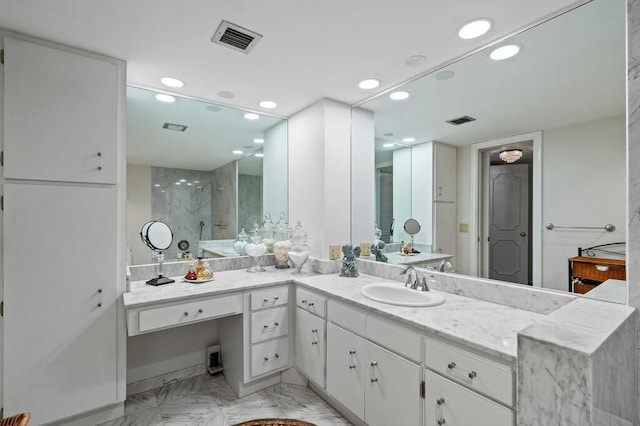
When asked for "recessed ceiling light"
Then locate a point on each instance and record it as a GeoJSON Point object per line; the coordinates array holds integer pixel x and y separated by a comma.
{"type": "Point", "coordinates": [172, 82]}
{"type": "Point", "coordinates": [157, 185]}
{"type": "Point", "coordinates": [444, 75]}
{"type": "Point", "coordinates": [388, 134]}
{"type": "Point", "coordinates": [267, 104]}
{"type": "Point", "coordinates": [409, 140]}
{"type": "Point", "coordinates": [196, 181]}
{"type": "Point", "coordinates": [213, 108]}
{"type": "Point", "coordinates": [370, 83]}
{"type": "Point", "coordinates": [387, 145]}
{"type": "Point", "coordinates": [189, 184]}
{"type": "Point", "coordinates": [238, 152]}
{"type": "Point", "coordinates": [251, 116]}
{"type": "Point", "coordinates": [177, 183]}
{"type": "Point", "coordinates": [258, 154]}
{"type": "Point", "coordinates": [165, 98]}
{"type": "Point", "coordinates": [258, 140]}
{"type": "Point", "coordinates": [163, 191]}
{"type": "Point", "coordinates": [400, 95]}
{"type": "Point", "coordinates": [504, 52]}
{"type": "Point", "coordinates": [475, 28]}
{"type": "Point", "coordinates": [226, 94]}
{"type": "Point", "coordinates": [183, 180]}
{"type": "Point", "coordinates": [415, 60]}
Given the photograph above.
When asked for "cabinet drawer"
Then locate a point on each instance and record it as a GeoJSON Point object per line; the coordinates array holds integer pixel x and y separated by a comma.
{"type": "Point", "coordinates": [311, 302]}
{"type": "Point", "coordinates": [481, 374]}
{"type": "Point", "coordinates": [346, 317]}
{"type": "Point", "coordinates": [591, 272]}
{"type": "Point", "coordinates": [269, 356]}
{"type": "Point", "coordinates": [269, 324]}
{"type": "Point", "coordinates": [270, 297]}
{"type": "Point", "coordinates": [400, 340]}
{"type": "Point", "coordinates": [451, 404]}
{"type": "Point", "coordinates": [183, 313]}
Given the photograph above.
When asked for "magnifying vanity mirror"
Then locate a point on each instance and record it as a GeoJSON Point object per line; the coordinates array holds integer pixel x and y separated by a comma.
{"type": "Point", "coordinates": [158, 237]}
{"type": "Point", "coordinates": [203, 169]}
{"type": "Point", "coordinates": [490, 144]}
{"type": "Point", "coordinates": [412, 227]}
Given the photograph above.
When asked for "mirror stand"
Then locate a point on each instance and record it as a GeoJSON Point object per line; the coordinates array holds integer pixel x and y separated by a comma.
{"type": "Point", "coordinates": [160, 279]}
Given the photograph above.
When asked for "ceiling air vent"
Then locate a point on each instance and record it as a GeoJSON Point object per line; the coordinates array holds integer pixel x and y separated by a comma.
{"type": "Point", "coordinates": [461, 120]}
{"type": "Point", "coordinates": [235, 37]}
{"type": "Point", "coordinates": [176, 127]}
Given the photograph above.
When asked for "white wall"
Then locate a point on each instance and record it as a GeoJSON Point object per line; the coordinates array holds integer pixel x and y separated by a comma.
{"type": "Point", "coordinates": [319, 187]}
{"type": "Point", "coordinates": [583, 184]}
{"type": "Point", "coordinates": [422, 190]}
{"type": "Point", "coordinates": [402, 184]}
{"type": "Point", "coordinates": [274, 171]}
{"type": "Point", "coordinates": [363, 200]}
{"type": "Point", "coordinates": [138, 210]}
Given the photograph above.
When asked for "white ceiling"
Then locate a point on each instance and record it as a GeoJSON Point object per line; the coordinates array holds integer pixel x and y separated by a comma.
{"type": "Point", "coordinates": [571, 69]}
{"type": "Point", "coordinates": [309, 49]}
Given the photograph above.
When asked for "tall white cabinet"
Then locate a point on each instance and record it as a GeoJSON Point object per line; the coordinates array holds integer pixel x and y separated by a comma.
{"type": "Point", "coordinates": [63, 230]}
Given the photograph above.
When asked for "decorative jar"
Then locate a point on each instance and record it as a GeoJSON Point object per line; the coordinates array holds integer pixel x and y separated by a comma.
{"type": "Point", "coordinates": [299, 251]}
{"type": "Point", "coordinates": [256, 249]}
{"type": "Point", "coordinates": [241, 242]}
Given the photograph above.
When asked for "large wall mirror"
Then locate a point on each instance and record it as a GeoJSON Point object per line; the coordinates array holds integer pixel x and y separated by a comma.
{"type": "Point", "coordinates": [527, 140]}
{"type": "Point", "coordinates": [204, 169]}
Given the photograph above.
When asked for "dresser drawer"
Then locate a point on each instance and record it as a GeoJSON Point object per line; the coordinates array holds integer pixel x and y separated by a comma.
{"type": "Point", "coordinates": [183, 313]}
{"type": "Point", "coordinates": [346, 317]}
{"type": "Point", "coordinates": [269, 324]}
{"type": "Point", "coordinates": [311, 302]}
{"type": "Point", "coordinates": [471, 370]}
{"type": "Point", "coordinates": [274, 296]}
{"type": "Point", "coordinates": [398, 339]}
{"type": "Point", "coordinates": [598, 271]}
{"type": "Point", "coordinates": [269, 356]}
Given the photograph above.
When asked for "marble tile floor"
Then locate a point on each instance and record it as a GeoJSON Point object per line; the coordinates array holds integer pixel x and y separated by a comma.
{"type": "Point", "coordinates": [205, 400]}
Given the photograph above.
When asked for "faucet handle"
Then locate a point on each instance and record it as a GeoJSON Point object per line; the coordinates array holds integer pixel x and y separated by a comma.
{"type": "Point", "coordinates": [424, 285]}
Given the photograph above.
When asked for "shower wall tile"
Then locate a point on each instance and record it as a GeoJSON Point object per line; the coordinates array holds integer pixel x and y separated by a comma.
{"type": "Point", "coordinates": [224, 193]}
{"type": "Point", "coordinates": [250, 201]}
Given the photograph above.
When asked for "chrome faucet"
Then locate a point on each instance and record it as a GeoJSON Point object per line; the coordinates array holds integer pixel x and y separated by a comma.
{"type": "Point", "coordinates": [412, 285]}
{"type": "Point", "coordinates": [423, 284]}
{"type": "Point", "coordinates": [445, 266]}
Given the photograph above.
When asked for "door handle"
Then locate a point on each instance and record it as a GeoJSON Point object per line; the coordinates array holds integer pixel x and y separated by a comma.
{"type": "Point", "coordinates": [523, 234]}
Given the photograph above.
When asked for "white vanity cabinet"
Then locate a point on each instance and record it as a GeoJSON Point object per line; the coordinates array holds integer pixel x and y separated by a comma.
{"type": "Point", "coordinates": [379, 386]}
{"type": "Point", "coordinates": [63, 184]}
{"type": "Point", "coordinates": [310, 345]}
{"type": "Point", "coordinates": [462, 384]}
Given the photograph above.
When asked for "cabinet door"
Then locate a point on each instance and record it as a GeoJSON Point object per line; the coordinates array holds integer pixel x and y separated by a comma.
{"type": "Point", "coordinates": [310, 345]}
{"type": "Point", "coordinates": [59, 299]}
{"type": "Point", "coordinates": [60, 115]}
{"type": "Point", "coordinates": [445, 170]}
{"type": "Point", "coordinates": [346, 368]}
{"type": "Point", "coordinates": [392, 389]}
{"type": "Point", "coordinates": [444, 228]}
{"type": "Point", "coordinates": [454, 405]}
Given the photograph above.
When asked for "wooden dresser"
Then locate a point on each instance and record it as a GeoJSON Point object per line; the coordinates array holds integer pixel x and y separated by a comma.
{"type": "Point", "coordinates": [585, 273]}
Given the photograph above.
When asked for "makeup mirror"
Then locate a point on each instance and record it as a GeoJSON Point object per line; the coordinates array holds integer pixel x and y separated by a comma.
{"type": "Point", "coordinates": [158, 237]}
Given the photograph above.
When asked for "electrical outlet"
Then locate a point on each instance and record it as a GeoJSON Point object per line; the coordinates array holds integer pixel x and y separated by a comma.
{"type": "Point", "coordinates": [365, 249]}
{"type": "Point", "coordinates": [463, 227]}
{"type": "Point", "coordinates": [334, 251]}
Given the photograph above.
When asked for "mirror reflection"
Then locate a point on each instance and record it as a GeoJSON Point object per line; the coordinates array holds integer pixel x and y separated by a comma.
{"type": "Point", "coordinates": [203, 169]}
{"type": "Point", "coordinates": [488, 150]}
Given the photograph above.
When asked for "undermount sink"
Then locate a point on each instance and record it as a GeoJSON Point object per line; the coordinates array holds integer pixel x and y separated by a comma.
{"type": "Point", "coordinates": [396, 294]}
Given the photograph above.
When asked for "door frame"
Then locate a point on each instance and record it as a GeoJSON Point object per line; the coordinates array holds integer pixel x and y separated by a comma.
{"type": "Point", "coordinates": [475, 223]}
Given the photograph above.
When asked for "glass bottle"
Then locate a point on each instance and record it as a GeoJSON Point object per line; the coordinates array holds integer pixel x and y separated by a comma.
{"type": "Point", "coordinates": [267, 232]}
{"type": "Point", "coordinates": [299, 251]}
{"type": "Point", "coordinates": [199, 267]}
{"type": "Point", "coordinates": [282, 243]}
{"type": "Point", "coordinates": [241, 242]}
{"type": "Point", "coordinates": [256, 249]}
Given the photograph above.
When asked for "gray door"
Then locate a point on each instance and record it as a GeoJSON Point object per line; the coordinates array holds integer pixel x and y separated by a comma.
{"type": "Point", "coordinates": [509, 223]}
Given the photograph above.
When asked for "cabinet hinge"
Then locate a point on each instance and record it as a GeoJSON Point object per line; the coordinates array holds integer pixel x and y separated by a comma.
{"type": "Point", "coordinates": [1, 315]}
{"type": "Point", "coordinates": [422, 391]}
{"type": "Point", "coordinates": [2, 202]}
{"type": "Point", "coordinates": [2, 56]}
{"type": "Point", "coordinates": [2, 158]}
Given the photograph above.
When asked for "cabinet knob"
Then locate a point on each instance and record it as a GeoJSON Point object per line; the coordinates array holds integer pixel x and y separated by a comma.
{"type": "Point", "coordinates": [99, 305]}
{"type": "Point", "coordinates": [441, 422]}
{"type": "Point", "coordinates": [440, 401]}
{"type": "Point", "coordinates": [451, 365]}
{"type": "Point", "coordinates": [374, 363]}
{"type": "Point", "coordinates": [303, 301]}
{"type": "Point", "coordinates": [99, 290]}
{"type": "Point", "coordinates": [99, 154]}
{"type": "Point", "coordinates": [352, 352]}
{"type": "Point", "coordinates": [186, 314]}
{"type": "Point", "coordinates": [310, 304]}
{"type": "Point", "coordinates": [314, 343]}
{"type": "Point", "coordinates": [265, 300]}
{"type": "Point", "coordinates": [352, 366]}
{"type": "Point", "coordinates": [276, 298]}
{"type": "Point", "coordinates": [473, 375]}
{"type": "Point", "coordinates": [200, 311]}
{"type": "Point", "coordinates": [374, 380]}
{"type": "Point", "coordinates": [523, 234]}
{"type": "Point", "coordinates": [99, 167]}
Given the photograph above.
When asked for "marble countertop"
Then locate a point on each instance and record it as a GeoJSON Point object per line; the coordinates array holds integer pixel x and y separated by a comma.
{"type": "Point", "coordinates": [611, 291]}
{"type": "Point", "coordinates": [486, 326]}
{"type": "Point", "coordinates": [416, 258]}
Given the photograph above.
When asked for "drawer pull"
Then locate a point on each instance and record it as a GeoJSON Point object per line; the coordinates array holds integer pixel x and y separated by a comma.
{"type": "Point", "coordinates": [451, 365]}
{"type": "Point", "coordinates": [374, 380]}
{"type": "Point", "coordinates": [351, 364]}
{"type": "Point", "coordinates": [473, 375]}
{"type": "Point", "coordinates": [374, 363]}
{"type": "Point", "coordinates": [441, 422]}
{"type": "Point", "coordinates": [265, 300]}
{"type": "Point", "coordinates": [303, 301]}
{"type": "Point", "coordinates": [440, 401]}
{"type": "Point", "coordinates": [352, 367]}
{"type": "Point", "coordinates": [315, 330]}
{"type": "Point", "coordinates": [276, 298]}
{"type": "Point", "coordinates": [275, 356]}
{"type": "Point", "coordinates": [200, 311]}
{"type": "Point", "coordinates": [186, 314]}
{"type": "Point", "coordinates": [352, 352]}
{"type": "Point", "coordinates": [275, 324]}
{"type": "Point", "coordinates": [314, 343]}
{"type": "Point", "coordinates": [310, 304]}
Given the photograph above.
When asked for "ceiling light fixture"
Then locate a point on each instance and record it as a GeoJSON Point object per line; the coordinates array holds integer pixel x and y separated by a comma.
{"type": "Point", "coordinates": [511, 155]}
{"type": "Point", "coordinates": [400, 95]}
{"type": "Point", "coordinates": [444, 75]}
{"type": "Point", "coordinates": [251, 116]}
{"type": "Point", "coordinates": [409, 140]}
{"type": "Point", "coordinates": [369, 83]}
{"type": "Point", "coordinates": [172, 82]}
{"type": "Point", "coordinates": [258, 140]}
{"type": "Point", "coordinates": [267, 104]}
{"type": "Point", "coordinates": [259, 154]}
{"type": "Point", "coordinates": [238, 152]}
{"type": "Point", "coordinates": [505, 52]}
{"type": "Point", "coordinates": [226, 94]}
{"type": "Point", "coordinates": [388, 145]}
{"type": "Point", "coordinates": [165, 98]}
{"type": "Point", "coordinates": [475, 28]}
{"type": "Point", "coordinates": [415, 60]}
